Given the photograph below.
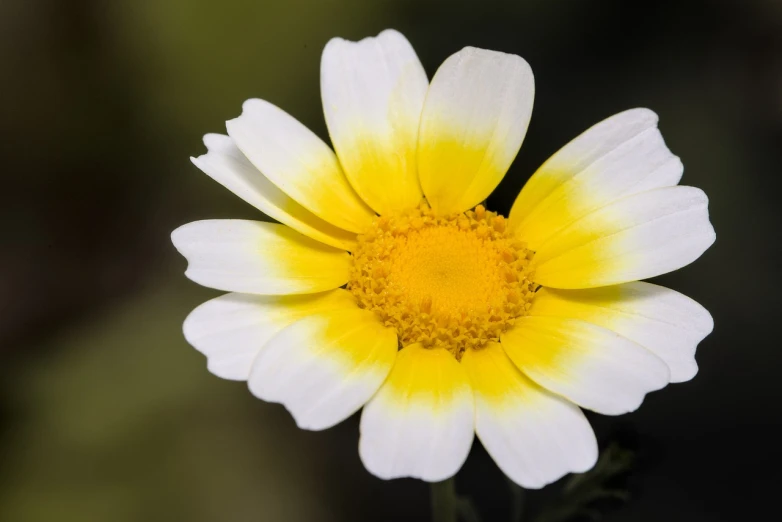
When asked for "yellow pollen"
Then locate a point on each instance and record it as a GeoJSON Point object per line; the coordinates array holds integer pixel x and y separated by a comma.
{"type": "Point", "coordinates": [454, 281]}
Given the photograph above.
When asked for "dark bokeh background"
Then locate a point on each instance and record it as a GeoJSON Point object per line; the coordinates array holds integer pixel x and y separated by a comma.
{"type": "Point", "coordinates": [107, 414]}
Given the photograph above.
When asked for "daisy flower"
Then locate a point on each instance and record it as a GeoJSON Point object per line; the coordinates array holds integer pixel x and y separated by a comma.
{"type": "Point", "coordinates": [386, 284]}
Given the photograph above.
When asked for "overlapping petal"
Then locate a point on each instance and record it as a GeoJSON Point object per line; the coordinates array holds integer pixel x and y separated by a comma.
{"type": "Point", "coordinates": [534, 437]}
{"type": "Point", "coordinates": [226, 164]}
{"type": "Point", "coordinates": [473, 122]}
{"type": "Point", "coordinates": [622, 155]}
{"type": "Point", "coordinates": [324, 367]}
{"type": "Point", "coordinates": [661, 320]}
{"type": "Point", "coordinates": [232, 329]}
{"type": "Point", "coordinates": [298, 162]}
{"type": "Point", "coordinates": [636, 237]}
{"type": "Point", "coordinates": [258, 258]}
{"type": "Point", "coordinates": [591, 366]}
{"type": "Point", "coordinates": [420, 424]}
{"type": "Point", "coordinates": [373, 92]}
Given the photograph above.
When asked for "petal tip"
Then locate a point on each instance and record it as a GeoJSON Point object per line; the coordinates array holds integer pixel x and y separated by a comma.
{"type": "Point", "coordinates": [384, 35]}
{"type": "Point", "coordinates": [641, 113]}
{"type": "Point", "coordinates": [685, 373]}
{"type": "Point", "coordinates": [253, 103]}
{"type": "Point", "coordinates": [215, 141]}
{"type": "Point", "coordinates": [390, 33]}
{"type": "Point", "coordinates": [312, 424]}
{"type": "Point", "coordinates": [501, 57]}
{"type": "Point", "coordinates": [179, 234]}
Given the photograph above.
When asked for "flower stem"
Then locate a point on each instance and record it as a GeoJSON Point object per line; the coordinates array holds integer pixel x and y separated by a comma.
{"type": "Point", "coordinates": [517, 502]}
{"type": "Point", "coordinates": [517, 494]}
{"type": "Point", "coordinates": [443, 500]}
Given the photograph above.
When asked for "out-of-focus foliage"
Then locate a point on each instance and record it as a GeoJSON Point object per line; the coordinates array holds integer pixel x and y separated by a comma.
{"type": "Point", "coordinates": [117, 423]}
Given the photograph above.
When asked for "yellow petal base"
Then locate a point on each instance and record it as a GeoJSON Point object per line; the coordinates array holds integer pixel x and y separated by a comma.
{"type": "Point", "coordinates": [455, 281]}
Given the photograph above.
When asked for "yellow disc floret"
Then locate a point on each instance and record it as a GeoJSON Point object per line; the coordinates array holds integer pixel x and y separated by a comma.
{"type": "Point", "coordinates": [454, 281]}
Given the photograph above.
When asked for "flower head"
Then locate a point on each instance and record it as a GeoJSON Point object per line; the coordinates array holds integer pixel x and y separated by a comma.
{"type": "Point", "coordinates": [388, 285]}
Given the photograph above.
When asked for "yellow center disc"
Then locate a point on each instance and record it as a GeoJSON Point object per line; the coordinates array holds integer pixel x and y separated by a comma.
{"type": "Point", "coordinates": [455, 281]}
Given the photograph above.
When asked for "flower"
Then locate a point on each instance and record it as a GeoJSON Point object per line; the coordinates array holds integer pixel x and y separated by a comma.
{"type": "Point", "coordinates": [388, 285]}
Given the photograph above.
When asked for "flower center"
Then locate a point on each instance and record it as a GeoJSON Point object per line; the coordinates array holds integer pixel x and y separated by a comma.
{"type": "Point", "coordinates": [454, 281]}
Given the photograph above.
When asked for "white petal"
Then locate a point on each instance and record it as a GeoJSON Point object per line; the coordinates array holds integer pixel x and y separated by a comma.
{"type": "Point", "coordinates": [640, 236]}
{"type": "Point", "coordinates": [420, 423]}
{"type": "Point", "coordinates": [299, 163]}
{"type": "Point", "coordinates": [226, 164]}
{"type": "Point", "coordinates": [474, 120]}
{"type": "Point", "coordinates": [622, 155]}
{"type": "Point", "coordinates": [258, 258]}
{"type": "Point", "coordinates": [233, 328]}
{"type": "Point", "coordinates": [588, 365]}
{"type": "Point", "coordinates": [373, 92]}
{"type": "Point", "coordinates": [665, 322]}
{"type": "Point", "coordinates": [323, 368]}
{"type": "Point", "coordinates": [534, 437]}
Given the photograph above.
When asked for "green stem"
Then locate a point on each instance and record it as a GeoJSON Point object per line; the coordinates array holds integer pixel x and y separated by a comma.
{"type": "Point", "coordinates": [517, 502]}
{"type": "Point", "coordinates": [443, 501]}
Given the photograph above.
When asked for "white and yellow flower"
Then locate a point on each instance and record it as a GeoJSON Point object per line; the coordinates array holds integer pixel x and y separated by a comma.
{"type": "Point", "coordinates": [387, 285]}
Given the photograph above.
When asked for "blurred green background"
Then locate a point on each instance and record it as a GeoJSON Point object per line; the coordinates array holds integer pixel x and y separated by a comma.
{"type": "Point", "coordinates": [106, 414]}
